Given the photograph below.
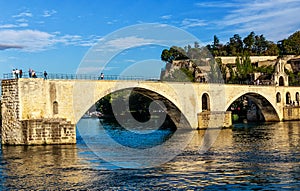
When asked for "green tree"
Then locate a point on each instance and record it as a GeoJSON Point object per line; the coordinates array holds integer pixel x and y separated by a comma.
{"type": "Point", "coordinates": [269, 70]}
{"type": "Point", "coordinates": [222, 67]}
{"type": "Point", "coordinates": [216, 46]}
{"type": "Point", "coordinates": [291, 45]}
{"type": "Point", "coordinates": [272, 49]}
{"type": "Point", "coordinates": [174, 53]}
{"type": "Point", "coordinates": [260, 45]}
{"type": "Point", "coordinates": [244, 67]}
{"type": "Point", "coordinates": [104, 105]}
{"type": "Point", "coordinates": [235, 45]}
{"type": "Point", "coordinates": [233, 77]}
{"type": "Point", "coordinates": [249, 42]}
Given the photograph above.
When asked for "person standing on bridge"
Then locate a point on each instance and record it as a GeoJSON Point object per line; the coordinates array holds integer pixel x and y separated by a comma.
{"type": "Point", "coordinates": [30, 72]}
{"type": "Point", "coordinates": [33, 74]}
{"type": "Point", "coordinates": [17, 73]}
{"type": "Point", "coordinates": [45, 75]}
{"type": "Point", "coordinates": [14, 73]}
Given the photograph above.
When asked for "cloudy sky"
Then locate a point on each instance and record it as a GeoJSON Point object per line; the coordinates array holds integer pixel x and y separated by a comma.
{"type": "Point", "coordinates": [57, 35]}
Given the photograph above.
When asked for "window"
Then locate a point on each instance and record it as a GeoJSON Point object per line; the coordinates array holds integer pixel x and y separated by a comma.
{"type": "Point", "coordinates": [281, 81]}
{"type": "Point", "coordinates": [205, 102]}
{"type": "Point", "coordinates": [55, 107]}
{"type": "Point", "coordinates": [278, 97]}
{"type": "Point", "coordinates": [288, 98]}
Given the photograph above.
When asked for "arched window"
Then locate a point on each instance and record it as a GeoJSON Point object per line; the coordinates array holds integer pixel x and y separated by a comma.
{"type": "Point", "coordinates": [281, 81]}
{"type": "Point", "coordinates": [288, 98]}
{"type": "Point", "coordinates": [297, 96]}
{"type": "Point", "coordinates": [205, 102]}
{"type": "Point", "coordinates": [278, 97]}
{"type": "Point", "coordinates": [55, 107]}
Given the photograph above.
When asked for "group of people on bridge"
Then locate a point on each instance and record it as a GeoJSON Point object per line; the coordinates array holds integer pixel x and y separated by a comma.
{"type": "Point", "coordinates": [31, 73]}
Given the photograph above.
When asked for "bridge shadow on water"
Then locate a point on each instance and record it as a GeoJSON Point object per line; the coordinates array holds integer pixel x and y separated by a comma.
{"type": "Point", "coordinates": [141, 138]}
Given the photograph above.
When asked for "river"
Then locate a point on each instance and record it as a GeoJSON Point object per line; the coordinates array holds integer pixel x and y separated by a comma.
{"type": "Point", "coordinates": [247, 157]}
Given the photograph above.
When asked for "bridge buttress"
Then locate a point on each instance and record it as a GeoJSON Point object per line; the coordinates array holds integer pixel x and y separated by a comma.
{"type": "Point", "coordinates": [35, 131]}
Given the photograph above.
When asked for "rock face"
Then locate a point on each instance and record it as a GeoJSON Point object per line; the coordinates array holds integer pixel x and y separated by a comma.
{"type": "Point", "coordinates": [37, 130]}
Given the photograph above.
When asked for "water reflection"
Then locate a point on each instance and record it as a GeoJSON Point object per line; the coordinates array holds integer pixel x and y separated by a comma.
{"type": "Point", "coordinates": [42, 167]}
{"type": "Point", "coordinates": [259, 156]}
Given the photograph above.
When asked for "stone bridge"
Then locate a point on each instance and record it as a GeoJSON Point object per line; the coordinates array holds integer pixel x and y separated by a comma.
{"type": "Point", "coordinates": [38, 111]}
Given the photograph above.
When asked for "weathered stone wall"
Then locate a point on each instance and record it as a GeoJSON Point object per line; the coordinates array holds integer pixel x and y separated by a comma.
{"type": "Point", "coordinates": [291, 113]}
{"type": "Point", "coordinates": [27, 117]}
{"type": "Point", "coordinates": [48, 131]}
{"type": "Point", "coordinates": [11, 130]}
{"type": "Point", "coordinates": [231, 59]}
{"type": "Point", "coordinates": [208, 119]}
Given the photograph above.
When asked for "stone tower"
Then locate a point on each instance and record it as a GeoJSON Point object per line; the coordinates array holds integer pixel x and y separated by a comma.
{"type": "Point", "coordinates": [280, 77]}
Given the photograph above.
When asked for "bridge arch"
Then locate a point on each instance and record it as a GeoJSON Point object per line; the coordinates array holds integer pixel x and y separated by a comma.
{"type": "Point", "coordinates": [266, 107]}
{"type": "Point", "coordinates": [168, 106]}
{"type": "Point", "coordinates": [178, 106]}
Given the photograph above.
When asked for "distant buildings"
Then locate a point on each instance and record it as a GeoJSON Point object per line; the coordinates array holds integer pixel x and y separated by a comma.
{"type": "Point", "coordinates": [201, 71]}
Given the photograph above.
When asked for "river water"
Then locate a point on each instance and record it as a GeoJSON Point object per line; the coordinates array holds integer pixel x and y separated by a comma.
{"type": "Point", "coordinates": [247, 157]}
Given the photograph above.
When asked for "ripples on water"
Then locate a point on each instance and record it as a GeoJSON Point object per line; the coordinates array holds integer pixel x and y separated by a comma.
{"type": "Point", "coordinates": [257, 157]}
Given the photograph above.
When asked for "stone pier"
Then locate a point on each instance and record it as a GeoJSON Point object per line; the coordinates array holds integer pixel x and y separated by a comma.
{"type": "Point", "coordinates": [207, 119]}
{"type": "Point", "coordinates": [18, 131]}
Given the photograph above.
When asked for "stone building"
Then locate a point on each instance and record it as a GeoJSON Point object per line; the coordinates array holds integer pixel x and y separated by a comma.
{"type": "Point", "coordinates": [280, 77]}
{"type": "Point", "coordinates": [295, 64]}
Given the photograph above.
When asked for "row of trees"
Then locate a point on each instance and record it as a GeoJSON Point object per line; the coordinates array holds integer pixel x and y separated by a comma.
{"type": "Point", "coordinates": [256, 45]}
{"type": "Point", "coordinates": [251, 45]}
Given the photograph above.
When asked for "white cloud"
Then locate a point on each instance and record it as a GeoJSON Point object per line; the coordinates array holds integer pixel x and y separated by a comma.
{"type": "Point", "coordinates": [23, 25]}
{"type": "Point", "coordinates": [31, 40]}
{"type": "Point", "coordinates": [49, 13]}
{"type": "Point", "coordinates": [8, 26]}
{"type": "Point", "coordinates": [221, 4]}
{"type": "Point", "coordinates": [128, 42]}
{"type": "Point", "coordinates": [34, 40]}
{"type": "Point", "coordinates": [23, 14]}
{"type": "Point", "coordinates": [22, 20]}
{"type": "Point", "coordinates": [188, 23]}
{"type": "Point", "coordinates": [111, 22]}
{"type": "Point", "coordinates": [276, 19]}
{"type": "Point", "coordinates": [166, 17]}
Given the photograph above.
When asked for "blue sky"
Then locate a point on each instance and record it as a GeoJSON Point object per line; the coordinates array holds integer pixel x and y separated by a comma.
{"type": "Point", "coordinates": [57, 35]}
